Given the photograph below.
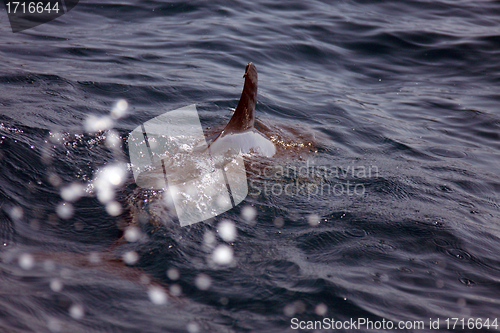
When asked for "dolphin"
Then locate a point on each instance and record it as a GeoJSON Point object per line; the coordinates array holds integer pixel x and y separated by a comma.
{"type": "Point", "coordinates": [169, 156]}
{"type": "Point", "coordinates": [200, 179]}
{"type": "Point", "coordinates": [240, 135]}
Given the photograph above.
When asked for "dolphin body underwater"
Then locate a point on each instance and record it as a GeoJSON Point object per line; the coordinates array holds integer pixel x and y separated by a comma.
{"type": "Point", "coordinates": [199, 180]}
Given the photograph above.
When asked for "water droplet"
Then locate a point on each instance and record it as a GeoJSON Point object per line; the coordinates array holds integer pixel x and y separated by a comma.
{"type": "Point", "coordinates": [132, 234]}
{"type": "Point", "coordinates": [76, 311]}
{"type": "Point", "coordinates": [130, 257]}
{"type": "Point", "coordinates": [54, 325]}
{"type": "Point", "coordinates": [209, 239]}
{"type": "Point", "coordinates": [16, 213]}
{"type": "Point", "coordinates": [120, 109]}
{"type": "Point", "coordinates": [203, 281]}
{"type": "Point", "coordinates": [55, 180]}
{"type": "Point", "coordinates": [321, 309]}
{"type": "Point", "coordinates": [113, 140]}
{"type": "Point", "coordinates": [94, 258]}
{"type": "Point", "coordinates": [157, 295]}
{"type": "Point", "coordinates": [173, 274]}
{"type": "Point", "coordinates": [223, 255]}
{"type": "Point", "coordinates": [106, 179]}
{"type": "Point", "coordinates": [289, 310]}
{"type": "Point", "coordinates": [26, 261]}
{"type": "Point", "coordinates": [249, 213]}
{"type": "Point", "coordinates": [64, 210]}
{"type": "Point", "coordinates": [175, 290]}
{"type": "Point", "coordinates": [72, 192]}
{"type": "Point", "coordinates": [193, 328]}
{"type": "Point", "coordinates": [227, 230]}
{"type": "Point", "coordinates": [313, 220]}
{"type": "Point", "coordinates": [113, 208]}
{"type": "Point", "coordinates": [96, 124]}
{"type": "Point", "coordinates": [56, 285]}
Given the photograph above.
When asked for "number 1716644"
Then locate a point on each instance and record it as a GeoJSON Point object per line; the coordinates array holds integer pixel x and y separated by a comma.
{"type": "Point", "coordinates": [17, 7]}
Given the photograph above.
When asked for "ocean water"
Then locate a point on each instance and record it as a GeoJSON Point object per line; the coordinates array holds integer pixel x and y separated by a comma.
{"type": "Point", "coordinates": [381, 206]}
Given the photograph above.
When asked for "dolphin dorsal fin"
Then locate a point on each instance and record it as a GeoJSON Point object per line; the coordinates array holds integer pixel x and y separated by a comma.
{"type": "Point", "coordinates": [239, 135]}
{"type": "Point", "coordinates": [244, 116]}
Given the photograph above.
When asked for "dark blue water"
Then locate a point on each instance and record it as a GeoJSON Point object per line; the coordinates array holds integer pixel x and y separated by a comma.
{"type": "Point", "coordinates": [398, 99]}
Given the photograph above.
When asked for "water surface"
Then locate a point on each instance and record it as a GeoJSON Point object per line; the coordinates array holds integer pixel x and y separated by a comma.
{"type": "Point", "coordinates": [399, 98]}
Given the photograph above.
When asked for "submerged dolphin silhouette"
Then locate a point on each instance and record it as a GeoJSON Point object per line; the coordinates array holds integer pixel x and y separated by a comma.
{"type": "Point", "coordinates": [173, 142]}
{"type": "Point", "coordinates": [240, 133]}
{"type": "Point", "coordinates": [200, 180]}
